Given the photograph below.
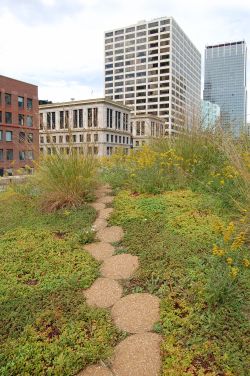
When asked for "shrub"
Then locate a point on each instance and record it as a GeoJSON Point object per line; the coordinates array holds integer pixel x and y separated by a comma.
{"type": "Point", "coordinates": [66, 180]}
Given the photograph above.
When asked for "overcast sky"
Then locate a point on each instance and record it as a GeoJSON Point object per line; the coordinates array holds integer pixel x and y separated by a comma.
{"type": "Point", "coordinates": [59, 44]}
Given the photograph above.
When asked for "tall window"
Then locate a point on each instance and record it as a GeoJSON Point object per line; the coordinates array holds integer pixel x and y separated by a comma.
{"type": "Point", "coordinates": [9, 154]}
{"type": "Point", "coordinates": [29, 121]}
{"type": "Point", "coordinates": [20, 101]}
{"type": "Point", "coordinates": [109, 117]}
{"type": "Point", "coordinates": [95, 117]}
{"type": "Point", "coordinates": [21, 136]}
{"type": "Point", "coordinates": [117, 120]}
{"type": "Point", "coordinates": [29, 104]}
{"type": "Point", "coordinates": [41, 121]}
{"type": "Point", "coordinates": [22, 155]}
{"type": "Point", "coordinates": [7, 98]}
{"type": "Point", "coordinates": [1, 117]}
{"type": "Point", "coordinates": [30, 138]}
{"type": "Point", "coordinates": [1, 154]}
{"type": "Point", "coordinates": [143, 128]}
{"type": "Point", "coordinates": [53, 119]}
{"type": "Point", "coordinates": [8, 136]}
{"type": "Point", "coordinates": [48, 120]}
{"type": "Point", "coordinates": [89, 117]}
{"type": "Point", "coordinates": [66, 119]}
{"type": "Point", "coordinates": [20, 119]}
{"type": "Point", "coordinates": [1, 135]}
{"type": "Point", "coordinates": [138, 128]}
{"type": "Point", "coordinates": [80, 114]}
{"type": "Point", "coordinates": [75, 118]}
{"type": "Point", "coordinates": [61, 119]}
{"type": "Point", "coordinates": [8, 117]}
{"type": "Point", "coordinates": [95, 137]}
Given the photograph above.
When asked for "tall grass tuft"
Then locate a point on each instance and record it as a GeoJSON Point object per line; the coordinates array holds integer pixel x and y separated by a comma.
{"type": "Point", "coordinates": [66, 180]}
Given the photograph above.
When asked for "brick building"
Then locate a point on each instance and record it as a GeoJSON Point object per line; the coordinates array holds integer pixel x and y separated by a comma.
{"type": "Point", "coordinates": [19, 129]}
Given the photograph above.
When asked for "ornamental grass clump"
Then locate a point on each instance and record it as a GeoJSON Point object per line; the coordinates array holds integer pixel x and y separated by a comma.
{"type": "Point", "coordinates": [66, 180]}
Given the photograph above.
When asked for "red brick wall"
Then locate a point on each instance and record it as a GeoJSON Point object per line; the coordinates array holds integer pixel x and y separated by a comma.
{"type": "Point", "coordinates": [18, 88]}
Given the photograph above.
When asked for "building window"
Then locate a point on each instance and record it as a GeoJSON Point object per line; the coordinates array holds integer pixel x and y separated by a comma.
{"type": "Point", "coordinates": [1, 135]}
{"type": "Point", "coordinates": [1, 119]}
{"type": "Point", "coordinates": [1, 154]}
{"type": "Point", "coordinates": [66, 119]}
{"type": "Point", "coordinates": [8, 136]}
{"type": "Point", "coordinates": [109, 118]}
{"type": "Point", "coordinates": [20, 119]}
{"type": "Point", "coordinates": [138, 128]}
{"type": "Point", "coordinates": [75, 118]}
{"type": "Point", "coordinates": [30, 138]}
{"type": "Point", "coordinates": [41, 121]}
{"type": "Point", "coordinates": [20, 101]}
{"type": "Point", "coordinates": [80, 119]}
{"type": "Point", "coordinates": [107, 137]}
{"type": "Point", "coordinates": [137, 143]}
{"type": "Point", "coordinates": [60, 139]}
{"type": "Point", "coordinates": [21, 155]}
{"type": "Point", "coordinates": [67, 138]}
{"type": "Point", "coordinates": [89, 117]}
{"type": "Point", "coordinates": [74, 137]}
{"type": "Point", "coordinates": [21, 136]}
{"type": "Point", "coordinates": [29, 121]}
{"type": "Point", "coordinates": [95, 137]}
{"type": "Point", "coordinates": [8, 117]}
{"type": "Point", "coordinates": [111, 138]}
{"type": "Point", "coordinates": [9, 154]}
{"type": "Point", "coordinates": [117, 120]}
{"type": "Point", "coordinates": [61, 119]}
{"type": "Point", "coordinates": [30, 154]}
{"type": "Point", "coordinates": [81, 137]}
{"type": "Point", "coordinates": [109, 150]}
{"type": "Point", "coordinates": [143, 128]}
{"type": "Point", "coordinates": [7, 99]}
{"type": "Point", "coordinates": [53, 118]}
{"type": "Point", "coordinates": [95, 117]}
{"type": "Point", "coordinates": [88, 137]}
{"type": "Point", "coordinates": [29, 104]}
{"type": "Point", "coordinates": [95, 150]}
{"type": "Point", "coordinates": [41, 140]}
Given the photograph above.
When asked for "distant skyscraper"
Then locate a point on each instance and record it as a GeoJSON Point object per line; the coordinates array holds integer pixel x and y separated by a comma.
{"type": "Point", "coordinates": [225, 82]}
{"type": "Point", "coordinates": [154, 68]}
{"type": "Point", "coordinates": [210, 115]}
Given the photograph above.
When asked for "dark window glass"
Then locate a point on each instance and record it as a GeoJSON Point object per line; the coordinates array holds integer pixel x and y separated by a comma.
{"type": "Point", "coordinates": [20, 102]}
{"type": "Point", "coordinates": [8, 117]}
{"type": "Point", "coordinates": [8, 136]}
{"type": "Point", "coordinates": [29, 103]}
{"type": "Point", "coordinates": [21, 136]}
{"type": "Point", "coordinates": [9, 154]}
{"type": "Point", "coordinates": [7, 98]}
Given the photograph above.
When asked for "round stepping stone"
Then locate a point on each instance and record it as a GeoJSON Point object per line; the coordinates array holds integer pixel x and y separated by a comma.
{"type": "Point", "coordinates": [138, 355]}
{"type": "Point", "coordinates": [99, 224]}
{"type": "Point", "coordinates": [120, 266]}
{"type": "Point", "coordinates": [110, 234]}
{"type": "Point", "coordinates": [105, 213]}
{"type": "Point", "coordinates": [103, 293]}
{"type": "Point", "coordinates": [100, 251]}
{"type": "Point", "coordinates": [105, 199]}
{"type": "Point", "coordinates": [95, 371]}
{"type": "Point", "coordinates": [136, 313]}
{"type": "Point", "coordinates": [98, 205]}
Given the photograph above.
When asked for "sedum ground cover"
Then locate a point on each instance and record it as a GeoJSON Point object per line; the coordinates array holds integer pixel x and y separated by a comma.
{"type": "Point", "coordinates": [46, 327]}
{"type": "Point", "coordinates": [204, 307]}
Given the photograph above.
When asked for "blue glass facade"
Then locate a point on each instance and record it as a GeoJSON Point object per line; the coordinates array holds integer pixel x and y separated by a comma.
{"type": "Point", "coordinates": [225, 83]}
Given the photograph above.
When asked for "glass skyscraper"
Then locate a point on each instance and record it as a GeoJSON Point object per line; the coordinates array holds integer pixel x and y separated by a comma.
{"type": "Point", "coordinates": [154, 68]}
{"type": "Point", "coordinates": [225, 83]}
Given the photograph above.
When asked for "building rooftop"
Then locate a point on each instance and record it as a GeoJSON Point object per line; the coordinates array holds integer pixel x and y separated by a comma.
{"type": "Point", "coordinates": [15, 80]}
{"type": "Point", "coordinates": [84, 102]}
{"type": "Point", "coordinates": [225, 44]}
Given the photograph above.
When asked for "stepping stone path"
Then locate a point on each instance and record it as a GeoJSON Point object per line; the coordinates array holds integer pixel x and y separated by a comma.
{"type": "Point", "coordinates": [139, 353]}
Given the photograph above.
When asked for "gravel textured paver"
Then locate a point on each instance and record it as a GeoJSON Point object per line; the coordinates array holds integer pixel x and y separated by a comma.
{"type": "Point", "coordinates": [99, 224]}
{"type": "Point", "coordinates": [100, 250]}
{"type": "Point", "coordinates": [111, 234]}
{"type": "Point", "coordinates": [136, 313]}
{"type": "Point", "coordinates": [103, 293]}
{"type": "Point", "coordinates": [96, 371]}
{"type": "Point", "coordinates": [120, 266]}
{"type": "Point", "coordinates": [97, 205]}
{"type": "Point", "coordinates": [105, 213]}
{"type": "Point", "coordinates": [138, 355]}
{"type": "Point", "coordinates": [105, 199]}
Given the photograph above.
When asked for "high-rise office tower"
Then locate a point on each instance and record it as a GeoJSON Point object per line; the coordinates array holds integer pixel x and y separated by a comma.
{"type": "Point", "coordinates": [225, 82]}
{"type": "Point", "coordinates": [155, 69]}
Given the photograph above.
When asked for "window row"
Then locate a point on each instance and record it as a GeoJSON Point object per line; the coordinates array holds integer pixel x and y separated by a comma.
{"type": "Point", "coordinates": [23, 137]}
{"type": "Point", "coordinates": [8, 100]}
{"type": "Point", "coordinates": [22, 119]}
{"type": "Point", "coordinates": [110, 138]}
{"type": "Point", "coordinates": [8, 155]}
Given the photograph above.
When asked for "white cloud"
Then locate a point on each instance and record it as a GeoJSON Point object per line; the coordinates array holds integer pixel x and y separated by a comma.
{"type": "Point", "coordinates": [59, 43]}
